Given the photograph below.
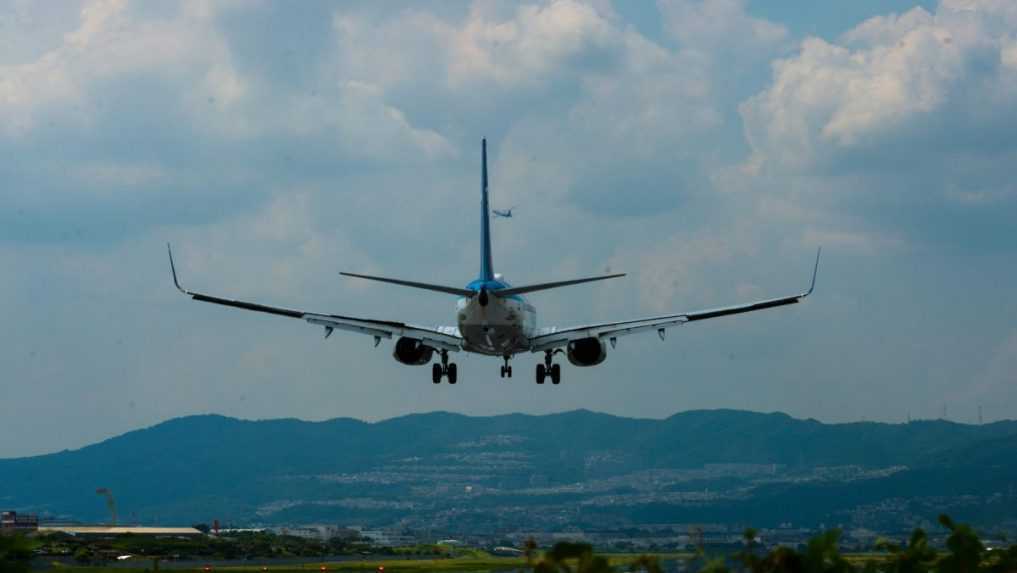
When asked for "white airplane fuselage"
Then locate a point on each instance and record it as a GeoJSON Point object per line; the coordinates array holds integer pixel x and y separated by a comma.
{"type": "Point", "coordinates": [502, 327]}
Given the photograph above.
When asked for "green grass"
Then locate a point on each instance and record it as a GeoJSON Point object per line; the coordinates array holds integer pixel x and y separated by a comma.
{"type": "Point", "coordinates": [476, 561]}
{"type": "Point", "coordinates": [396, 565]}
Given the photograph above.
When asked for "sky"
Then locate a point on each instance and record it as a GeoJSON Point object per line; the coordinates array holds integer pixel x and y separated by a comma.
{"type": "Point", "coordinates": [704, 147]}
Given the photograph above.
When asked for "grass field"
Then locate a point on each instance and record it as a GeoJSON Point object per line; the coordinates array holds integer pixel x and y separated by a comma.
{"type": "Point", "coordinates": [476, 563]}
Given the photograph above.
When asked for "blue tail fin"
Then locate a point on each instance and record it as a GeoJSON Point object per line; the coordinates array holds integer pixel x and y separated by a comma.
{"type": "Point", "coordinates": [486, 267]}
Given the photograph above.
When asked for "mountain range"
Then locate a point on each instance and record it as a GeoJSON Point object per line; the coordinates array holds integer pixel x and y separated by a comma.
{"type": "Point", "coordinates": [573, 469]}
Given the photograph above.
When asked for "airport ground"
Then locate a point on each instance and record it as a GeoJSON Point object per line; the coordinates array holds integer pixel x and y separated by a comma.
{"type": "Point", "coordinates": [347, 564]}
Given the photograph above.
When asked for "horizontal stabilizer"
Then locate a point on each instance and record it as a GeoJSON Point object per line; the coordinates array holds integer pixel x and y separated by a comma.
{"type": "Point", "coordinates": [546, 286]}
{"type": "Point", "coordinates": [412, 284]}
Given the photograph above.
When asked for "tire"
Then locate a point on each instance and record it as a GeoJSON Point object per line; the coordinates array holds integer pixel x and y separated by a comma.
{"type": "Point", "coordinates": [508, 371]}
{"type": "Point", "coordinates": [555, 374]}
{"type": "Point", "coordinates": [436, 374]}
{"type": "Point", "coordinates": [502, 371]}
{"type": "Point", "coordinates": [541, 373]}
{"type": "Point", "coordinates": [452, 373]}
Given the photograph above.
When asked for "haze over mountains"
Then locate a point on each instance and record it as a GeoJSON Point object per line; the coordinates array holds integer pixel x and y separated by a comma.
{"type": "Point", "coordinates": [579, 468]}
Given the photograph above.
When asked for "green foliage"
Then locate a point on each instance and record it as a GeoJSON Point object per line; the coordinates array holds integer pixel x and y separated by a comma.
{"type": "Point", "coordinates": [15, 553]}
{"type": "Point", "coordinates": [965, 553]}
{"type": "Point", "coordinates": [247, 545]}
{"type": "Point", "coordinates": [916, 557]}
{"type": "Point", "coordinates": [573, 557]}
{"type": "Point", "coordinates": [965, 548]}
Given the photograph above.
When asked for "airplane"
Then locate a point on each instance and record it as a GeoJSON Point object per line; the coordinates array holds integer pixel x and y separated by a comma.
{"type": "Point", "coordinates": [503, 213]}
{"type": "Point", "coordinates": [493, 318]}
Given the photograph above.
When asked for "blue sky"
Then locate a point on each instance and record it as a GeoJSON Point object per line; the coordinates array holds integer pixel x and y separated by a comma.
{"type": "Point", "coordinates": [704, 147]}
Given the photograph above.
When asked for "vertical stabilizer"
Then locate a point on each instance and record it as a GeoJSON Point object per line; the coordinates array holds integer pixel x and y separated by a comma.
{"type": "Point", "coordinates": [486, 267]}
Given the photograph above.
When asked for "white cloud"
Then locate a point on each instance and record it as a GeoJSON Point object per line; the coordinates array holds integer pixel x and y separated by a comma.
{"type": "Point", "coordinates": [893, 75]}
{"type": "Point", "coordinates": [721, 28]}
{"type": "Point", "coordinates": [527, 48]}
{"type": "Point", "coordinates": [111, 42]}
{"type": "Point", "coordinates": [858, 242]}
{"type": "Point", "coordinates": [503, 46]}
{"type": "Point", "coordinates": [895, 137]}
{"type": "Point", "coordinates": [71, 83]}
{"type": "Point", "coordinates": [670, 272]}
{"type": "Point", "coordinates": [917, 79]}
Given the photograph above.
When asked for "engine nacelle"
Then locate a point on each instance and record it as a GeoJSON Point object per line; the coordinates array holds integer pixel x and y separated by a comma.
{"type": "Point", "coordinates": [412, 352]}
{"type": "Point", "coordinates": [587, 352]}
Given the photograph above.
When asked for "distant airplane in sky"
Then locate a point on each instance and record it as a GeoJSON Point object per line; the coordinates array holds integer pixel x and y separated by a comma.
{"type": "Point", "coordinates": [493, 318]}
{"type": "Point", "coordinates": [503, 213]}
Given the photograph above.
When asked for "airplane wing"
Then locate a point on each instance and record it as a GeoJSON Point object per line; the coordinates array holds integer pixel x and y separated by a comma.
{"type": "Point", "coordinates": [441, 338]}
{"type": "Point", "coordinates": [550, 338]}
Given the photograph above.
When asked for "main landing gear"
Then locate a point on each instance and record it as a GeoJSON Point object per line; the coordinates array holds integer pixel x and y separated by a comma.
{"type": "Point", "coordinates": [446, 368]}
{"type": "Point", "coordinates": [548, 369]}
{"type": "Point", "coordinates": [506, 370]}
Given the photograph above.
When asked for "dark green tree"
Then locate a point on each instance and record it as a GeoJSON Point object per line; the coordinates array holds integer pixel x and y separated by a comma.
{"type": "Point", "coordinates": [530, 551]}
{"type": "Point", "coordinates": [15, 553]}
{"type": "Point", "coordinates": [966, 550]}
{"type": "Point", "coordinates": [916, 557]}
{"type": "Point", "coordinates": [561, 557]}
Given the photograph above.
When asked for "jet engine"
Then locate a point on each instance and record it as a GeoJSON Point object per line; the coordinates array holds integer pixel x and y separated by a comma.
{"type": "Point", "coordinates": [587, 352]}
{"type": "Point", "coordinates": [412, 352]}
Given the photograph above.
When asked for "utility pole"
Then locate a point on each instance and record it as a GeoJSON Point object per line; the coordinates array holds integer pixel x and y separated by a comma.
{"type": "Point", "coordinates": [111, 505]}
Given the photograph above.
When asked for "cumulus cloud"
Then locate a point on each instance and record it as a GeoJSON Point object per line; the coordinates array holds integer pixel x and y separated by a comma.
{"type": "Point", "coordinates": [722, 28]}
{"type": "Point", "coordinates": [148, 110]}
{"type": "Point", "coordinates": [527, 48]}
{"type": "Point", "coordinates": [111, 42]}
{"type": "Point", "coordinates": [921, 81]}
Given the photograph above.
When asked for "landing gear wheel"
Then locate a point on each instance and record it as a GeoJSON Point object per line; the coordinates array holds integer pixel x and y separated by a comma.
{"type": "Point", "coordinates": [541, 373]}
{"type": "Point", "coordinates": [556, 374]}
{"type": "Point", "coordinates": [506, 370]}
{"type": "Point", "coordinates": [451, 372]}
{"type": "Point", "coordinates": [436, 374]}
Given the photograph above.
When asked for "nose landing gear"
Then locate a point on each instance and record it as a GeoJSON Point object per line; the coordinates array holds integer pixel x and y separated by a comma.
{"type": "Point", "coordinates": [506, 370]}
{"type": "Point", "coordinates": [548, 369]}
{"type": "Point", "coordinates": [446, 368]}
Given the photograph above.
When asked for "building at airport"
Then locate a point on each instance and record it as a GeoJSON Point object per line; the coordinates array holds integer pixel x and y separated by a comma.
{"type": "Point", "coordinates": [100, 531]}
{"type": "Point", "coordinates": [13, 522]}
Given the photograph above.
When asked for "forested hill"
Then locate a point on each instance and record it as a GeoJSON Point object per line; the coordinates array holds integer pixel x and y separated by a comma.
{"type": "Point", "coordinates": [198, 467]}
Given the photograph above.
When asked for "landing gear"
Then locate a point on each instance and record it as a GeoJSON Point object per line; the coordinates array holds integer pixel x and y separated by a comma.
{"type": "Point", "coordinates": [548, 369]}
{"type": "Point", "coordinates": [446, 368]}
{"type": "Point", "coordinates": [506, 370]}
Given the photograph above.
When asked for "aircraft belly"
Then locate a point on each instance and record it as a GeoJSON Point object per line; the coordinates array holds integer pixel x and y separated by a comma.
{"type": "Point", "coordinates": [495, 340]}
{"type": "Point", "coordinates": [497, 329]}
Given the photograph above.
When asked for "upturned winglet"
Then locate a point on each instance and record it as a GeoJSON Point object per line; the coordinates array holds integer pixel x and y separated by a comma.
{"type": "Point", "coordinates": [173, 269]}
{"type": "Point", "coordinates": [815, 271]}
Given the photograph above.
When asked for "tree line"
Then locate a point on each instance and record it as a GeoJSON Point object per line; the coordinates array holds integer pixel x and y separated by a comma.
{"type": "Point", "coordinates": [964, 553]}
